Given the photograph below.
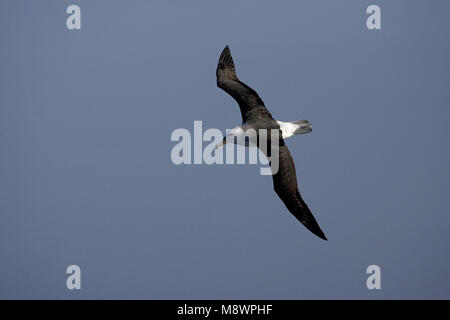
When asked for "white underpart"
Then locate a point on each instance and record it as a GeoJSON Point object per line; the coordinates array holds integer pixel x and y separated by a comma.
{"type": "Point", "coordinates": [241, 135]}
{"type": "Point", "coordinates": [287, 128]}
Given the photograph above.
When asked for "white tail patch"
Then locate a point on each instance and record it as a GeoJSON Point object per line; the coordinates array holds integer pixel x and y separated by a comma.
{"type": "Point", "coordinates": [288, 129]}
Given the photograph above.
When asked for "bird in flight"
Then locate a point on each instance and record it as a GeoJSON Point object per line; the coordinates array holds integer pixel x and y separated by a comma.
{"type": "Point", "coordinates": [256, 116]}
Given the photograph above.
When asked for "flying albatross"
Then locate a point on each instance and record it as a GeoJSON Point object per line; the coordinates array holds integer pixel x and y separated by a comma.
{"type": "Point", "coordinates": [256, 116]}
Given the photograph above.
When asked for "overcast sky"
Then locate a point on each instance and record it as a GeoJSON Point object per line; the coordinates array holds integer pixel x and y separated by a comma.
{"type": "Point", "coordinates": [86, 176]}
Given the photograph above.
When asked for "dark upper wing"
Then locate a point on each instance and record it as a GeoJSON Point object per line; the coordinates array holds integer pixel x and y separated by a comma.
{"type": "Point", "coordinates": [285, 185]}
{"type": "Point", "coordinates": [249, 102]}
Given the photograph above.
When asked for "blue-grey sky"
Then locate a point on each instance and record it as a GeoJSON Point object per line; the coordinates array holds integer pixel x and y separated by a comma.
{"type": "Point", "coordinates": [86, 176]}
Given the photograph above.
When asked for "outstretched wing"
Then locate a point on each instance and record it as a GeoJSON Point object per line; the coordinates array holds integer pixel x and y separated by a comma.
{"type": "Point", "coordinates": [285, 185]}
{"type": "Point", "coordinates": [249, 102]}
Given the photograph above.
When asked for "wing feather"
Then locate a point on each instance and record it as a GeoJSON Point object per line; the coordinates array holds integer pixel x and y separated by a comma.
{"type": "Point", "coordinates": [250, 103]}
{"type": "Point", "coordinates": [285, 185]}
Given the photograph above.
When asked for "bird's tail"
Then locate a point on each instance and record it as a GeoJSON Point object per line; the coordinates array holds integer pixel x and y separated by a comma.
{"type": "Point", "coordinates": [303, 126]}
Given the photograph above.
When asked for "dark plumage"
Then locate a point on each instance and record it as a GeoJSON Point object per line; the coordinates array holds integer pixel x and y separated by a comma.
{"type": "Point", "coordinates": [255, 115]}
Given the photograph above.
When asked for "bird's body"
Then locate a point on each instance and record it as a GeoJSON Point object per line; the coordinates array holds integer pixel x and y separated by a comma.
{"type": "Point", "coordinates": [255, 116]}
{"type": "Point", "coordinates": [288, 129]}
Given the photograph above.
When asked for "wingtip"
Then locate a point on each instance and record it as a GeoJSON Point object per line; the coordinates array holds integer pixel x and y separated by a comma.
{"type": "Point", "coordinates": [226, 63]}
{"type": "Point", "coordinates": [319, 233]}
{"type": "Point", "coordinates": [312, 225]}
{"type": "Point", "coordinates": [226, 50]}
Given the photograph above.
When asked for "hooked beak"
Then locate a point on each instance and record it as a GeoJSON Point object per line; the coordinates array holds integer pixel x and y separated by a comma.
{"type": "Point", "coordinates": [224, 141]}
